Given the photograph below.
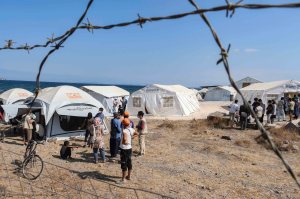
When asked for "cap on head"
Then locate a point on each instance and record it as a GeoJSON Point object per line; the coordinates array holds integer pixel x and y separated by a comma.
{"type": "Point", "coordinates": [126, 122]}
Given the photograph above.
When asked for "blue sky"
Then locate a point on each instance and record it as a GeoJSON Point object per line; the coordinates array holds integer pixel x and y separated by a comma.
{"type": "Point", "coordinates": [265, 43]}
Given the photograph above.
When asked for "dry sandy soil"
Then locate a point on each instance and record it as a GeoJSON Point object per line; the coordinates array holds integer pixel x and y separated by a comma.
{"type": "Point", "coordinates": [184, 159]}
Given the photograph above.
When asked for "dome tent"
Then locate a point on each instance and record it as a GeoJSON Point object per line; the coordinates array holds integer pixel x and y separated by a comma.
{"type": "Point", "coordinates": [15, 96]}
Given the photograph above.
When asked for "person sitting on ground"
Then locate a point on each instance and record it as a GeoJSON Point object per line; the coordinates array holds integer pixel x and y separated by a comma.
{"type": "Point", "coordinates": [99, 141]}
{"type": "Point", "coordinates": [233, 110]}
{"type": "Point", "coordinates": [126, 150]}
{"type": "Point", "coordinates": [244, 113]}
{"type": "Point", "coordinates": [142, 131]}
{"type": "Point", "coordinates": [66, 150]}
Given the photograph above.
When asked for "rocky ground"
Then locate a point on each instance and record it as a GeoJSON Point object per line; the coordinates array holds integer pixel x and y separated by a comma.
{"type": "Point", "coordinates": [184, 159]}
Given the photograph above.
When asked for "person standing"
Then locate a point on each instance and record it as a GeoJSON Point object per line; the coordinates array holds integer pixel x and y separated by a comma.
{"type": "Point", "coordinates": [296, 109]}
{"type": "Point", "coordinates": [142, 130]}
{"type": "Point", "coordinates": [291, 108]}
{"type": "Point", "coordinates": [100, 114]}
{"type": "Point", "coordinates": [28, 126]}
{"type": "Point", "coordinates": [259, 113]}
{"type": "Point", "coordinates": [270, 111]}
{"type": "Point", "coordinates": [280, 110]}
{"type": "Point", "coordinates": [244, 113]}
{"type": "Point", "coordinates": [115, 105]}
{"type": "Point", "coordinates": [124, 103]}
{"type": "Point", "coordinates": [99, 141]}
{"type": "Point", "coordinates": [233, 110]}
{"type": "Point", "coordinates": [274, 111]}
{"type": "Point", "coordinates": [88, 124]}
{"type": "Point", "coordinates": [115, 135]}
{"type": "Point", "coordinates": [261, 119]}
{"type": "Point", "coordinates": [126, 150]}
{"type": "Point", "coordinates": [255, 104]}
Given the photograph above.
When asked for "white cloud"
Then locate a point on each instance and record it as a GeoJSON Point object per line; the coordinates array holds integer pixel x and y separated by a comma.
{"type": "Point", "coordinates": [250, 50]}
{"type": "Point", "coordinates": [236, 50]}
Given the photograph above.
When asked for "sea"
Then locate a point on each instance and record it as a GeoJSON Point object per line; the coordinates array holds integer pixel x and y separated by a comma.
{"type": "Point", "coordinates": [30, 85]}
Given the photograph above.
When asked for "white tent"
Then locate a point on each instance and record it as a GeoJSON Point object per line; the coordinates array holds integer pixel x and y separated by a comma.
{"type": "Point", "coordinates": [198, 94]}
{"type": "Point", "coordinates": [106, 95]}
{"type": "Point", "coordinates": [15, 96]}
{"type": "Point", "coordinates": [270, 90]}
{"type": "Point", "coordinates": [220, 93]}
{"type": "Point", "coordinates": [246, 82]}
{"type": "Point", "coordinates": [164, 100]}
{"type": "Point", "coordinates": [62, 110]}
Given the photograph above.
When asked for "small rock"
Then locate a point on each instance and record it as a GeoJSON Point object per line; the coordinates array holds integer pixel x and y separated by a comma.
{"type": "Point", "coordinates": [286, 142]}
{"type": "Point", "coordinates": [295, 147]}
{"type": "Point", "coordinates": [254, 164]}
{"type": "Point", "coordinates": [226, 137]}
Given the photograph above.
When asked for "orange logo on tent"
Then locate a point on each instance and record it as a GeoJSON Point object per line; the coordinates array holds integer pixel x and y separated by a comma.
{"type": "Point", "coordinates": [73, 95]}
{"type": "Point", "coordinates": [23, 94]}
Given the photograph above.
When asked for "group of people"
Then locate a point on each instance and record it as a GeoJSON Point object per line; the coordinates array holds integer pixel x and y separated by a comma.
{"type": "Point", "coordinates": [272, 110]}
{"type": "Point", "coordinates": [122, 132]}
{"type": "Point", "coordinates": [119, 105]}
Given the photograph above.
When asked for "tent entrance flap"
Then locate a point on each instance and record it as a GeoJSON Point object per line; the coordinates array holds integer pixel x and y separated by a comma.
{"type": "Point", "coordinates": [77, 110]}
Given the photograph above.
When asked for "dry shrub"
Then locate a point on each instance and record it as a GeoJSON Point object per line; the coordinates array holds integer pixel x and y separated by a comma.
{"type": "Point", "coordinates": [285, 140]}
{"type": "Point", "coordinates": [167, 125]}
{"type": "Point", "coordinates": [198, 124]}
{"type": "Point", "coordinates": [218, 122]}
{"type": "Point", "coordinates": [243, 143]}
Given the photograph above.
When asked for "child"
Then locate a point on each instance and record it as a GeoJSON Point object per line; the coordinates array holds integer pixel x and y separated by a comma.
{"type": "Point", "coordinates": [142, 131]}
{"type": "Point", "coordinates": [126, 149]}
{"type": "Point", "coordinates": [66, 150]}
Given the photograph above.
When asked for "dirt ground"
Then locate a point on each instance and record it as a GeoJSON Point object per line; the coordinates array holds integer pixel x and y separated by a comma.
{"type": "Point", "coordinates": [184, 159]}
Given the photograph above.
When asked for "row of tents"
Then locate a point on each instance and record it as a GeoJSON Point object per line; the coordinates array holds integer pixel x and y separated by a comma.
{"type": "Point", "coordinates": [60, 111]}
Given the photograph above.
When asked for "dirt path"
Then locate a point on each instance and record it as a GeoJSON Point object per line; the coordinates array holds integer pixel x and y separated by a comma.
{"type": "Point", "coordinates": [180, 162]}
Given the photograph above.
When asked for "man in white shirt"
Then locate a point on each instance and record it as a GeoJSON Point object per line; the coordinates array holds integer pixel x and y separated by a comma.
{"type": "Point", "coordinates": [28, 126]}
{"type": "Point", "coordinates": [126, 149]}
{"type": "Point", "coordinates": [233, 109]}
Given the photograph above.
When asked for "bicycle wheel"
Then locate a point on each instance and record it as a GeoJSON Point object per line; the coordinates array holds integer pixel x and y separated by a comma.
{"type": "Point", "coordinates": [32, 167]}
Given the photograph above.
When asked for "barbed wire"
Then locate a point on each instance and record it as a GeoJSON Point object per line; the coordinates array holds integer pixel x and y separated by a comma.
{"type": "Point", "coordinates": [229, 7]}
{"type": "Point", "coordinates": [224, 59]}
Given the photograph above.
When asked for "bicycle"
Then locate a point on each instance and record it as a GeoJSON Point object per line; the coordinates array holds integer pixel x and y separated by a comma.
{"type": "Point", "coordinates": [33, 165]}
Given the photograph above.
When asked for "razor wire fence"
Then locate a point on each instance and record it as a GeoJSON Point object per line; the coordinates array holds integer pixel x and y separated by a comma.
{"type": "Point", "coordinates": [55, 43]}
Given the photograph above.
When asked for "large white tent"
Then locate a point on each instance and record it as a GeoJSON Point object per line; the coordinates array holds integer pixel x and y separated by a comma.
{"type": "Point", "coordinates": [220, 93]}
{"type": "Point", "coordinates": [270, 90]}
{"type": "Point", "coordinates": [163, 100]}
{"type": "Point", "coordinates": [15, 96]}
{"type": "Point", "coordinates": [106, 95]}
{"type": "Point", "coordinates": [61, 110]}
